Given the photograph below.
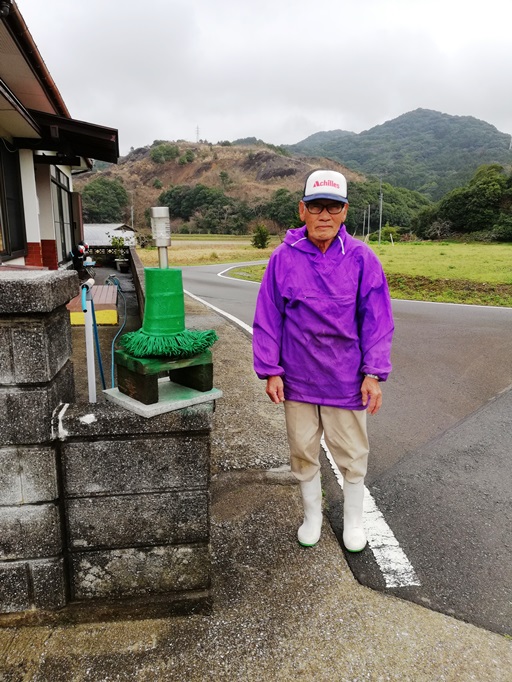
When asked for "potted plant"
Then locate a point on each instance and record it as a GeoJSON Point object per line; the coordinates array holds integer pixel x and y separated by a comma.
{"type": "Point", "coordinates": [122, 262]}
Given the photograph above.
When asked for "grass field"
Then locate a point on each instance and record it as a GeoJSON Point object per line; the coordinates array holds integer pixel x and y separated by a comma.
{"type": "Point", "coordinates": [431, 271]}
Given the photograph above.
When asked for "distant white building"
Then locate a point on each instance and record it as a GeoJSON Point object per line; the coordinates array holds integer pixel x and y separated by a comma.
{"type": "Point", "coordinates": [100, 234]}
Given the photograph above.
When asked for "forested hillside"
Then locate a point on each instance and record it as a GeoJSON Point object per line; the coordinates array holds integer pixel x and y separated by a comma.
{"type": "Point", "coordinates": [423, 150]}
{"type": "Point", "coordinates": [226, 188]}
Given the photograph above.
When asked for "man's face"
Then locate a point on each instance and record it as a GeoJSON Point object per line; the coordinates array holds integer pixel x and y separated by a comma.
{"type": "Point", "coordinates": [322, 227]}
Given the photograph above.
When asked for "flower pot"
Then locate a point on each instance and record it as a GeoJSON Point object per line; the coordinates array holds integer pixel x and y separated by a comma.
{"type": "Point", "coordinates": [123, 264]}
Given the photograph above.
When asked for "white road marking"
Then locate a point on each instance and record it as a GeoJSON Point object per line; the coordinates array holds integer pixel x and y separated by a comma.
{"type": "Point", "coordinates": [391, 559]}
{"type": "Point", "coordinates": [232, 267]}
{"type": "Point", "coordinates": [393, 563]}
{"type": "Point", "coordinates": [401, 300]}
{"type": "Point", "coordinates": [221, 312]}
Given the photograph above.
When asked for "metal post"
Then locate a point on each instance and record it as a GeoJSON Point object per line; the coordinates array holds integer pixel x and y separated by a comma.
{"type": "Point", "coordinates": [89, 338]}
{"type": "Point", "coordinates": [161, 229]}
{"type": "Point", "coordinates": [163, 258]}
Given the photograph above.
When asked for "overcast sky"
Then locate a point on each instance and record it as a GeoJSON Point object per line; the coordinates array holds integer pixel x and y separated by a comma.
{"type": "Point", "coordinates": [278, 70]}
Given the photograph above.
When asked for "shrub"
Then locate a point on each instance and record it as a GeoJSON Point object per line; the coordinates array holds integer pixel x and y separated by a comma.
{"type": "Point", "coordinates": [164, 152]}
{"type": "Point", "coordinates": [261, 237]}
{"type": "Point", "coordinates": [502, 231]}
{"type": "Point", "coordinates": [386, 234]}
{"type": "Point", "coordinates": [440, 229]}
{"type": "Point", "coordinates": [486, 236]}
{"type": "Point", "coordinates": [117, 244]}
{"type": "Point", "coordinates": [144, 239]}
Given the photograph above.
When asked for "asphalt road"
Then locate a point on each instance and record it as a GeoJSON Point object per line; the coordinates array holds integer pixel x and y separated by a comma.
{"type": "Point", "coordinates": [440, 465]}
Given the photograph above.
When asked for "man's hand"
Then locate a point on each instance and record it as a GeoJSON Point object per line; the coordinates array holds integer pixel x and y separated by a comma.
{"type": "Point", "coordinates": [371, 394]}
{"type": "Point", "coordinates": [275, 389]}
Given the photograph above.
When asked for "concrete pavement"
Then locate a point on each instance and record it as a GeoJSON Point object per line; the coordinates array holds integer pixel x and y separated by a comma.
{"type": "Point", "coordinates": [281, 612]}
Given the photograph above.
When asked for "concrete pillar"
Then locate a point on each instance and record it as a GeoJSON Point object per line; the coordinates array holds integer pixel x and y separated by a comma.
{"type": "Point", "coordinates": [102, 511]}
{"type": "Point", "coordinates": [136, 495]}
{"type": "Point", "coordinates": [36, 375]}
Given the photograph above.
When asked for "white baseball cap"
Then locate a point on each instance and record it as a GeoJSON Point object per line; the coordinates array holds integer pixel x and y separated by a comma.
{"type": "Point", "coordinates": [325, 184]}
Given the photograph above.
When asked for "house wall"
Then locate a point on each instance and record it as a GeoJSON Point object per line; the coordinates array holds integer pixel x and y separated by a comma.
{"type": "Point", "coordinates": [31, 208]}
{"type": "Point", "coordinates": [46, 222]}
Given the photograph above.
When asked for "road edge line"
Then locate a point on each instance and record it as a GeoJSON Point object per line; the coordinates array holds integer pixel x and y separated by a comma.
{"type": "Point", "coordinates": [394, 565]}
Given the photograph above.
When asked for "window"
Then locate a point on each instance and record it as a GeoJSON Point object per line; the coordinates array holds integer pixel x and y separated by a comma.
{"type": "Point", "coordinates": [61, 203]}
{"type": "Point", "coordinates": [12, 222]}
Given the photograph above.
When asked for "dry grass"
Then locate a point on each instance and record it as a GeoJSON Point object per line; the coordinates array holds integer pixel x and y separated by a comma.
{"type": "Point", "coordinates": [208, 249]}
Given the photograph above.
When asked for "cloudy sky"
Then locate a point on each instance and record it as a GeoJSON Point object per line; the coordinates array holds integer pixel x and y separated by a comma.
{"type": "Point", "coordinates": [278, 70]}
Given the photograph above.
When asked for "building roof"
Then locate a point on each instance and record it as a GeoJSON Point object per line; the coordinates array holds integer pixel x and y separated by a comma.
{"type": "Point", "coordinates": [72, 137]}
{"type": "Point", "coordinates": [100, 234]}
{"type": "Point", "coordinates": [32, 112]}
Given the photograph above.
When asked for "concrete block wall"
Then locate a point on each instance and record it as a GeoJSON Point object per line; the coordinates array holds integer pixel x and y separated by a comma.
{"type": "Point", "coordinates": [36, 375]}
{"type": "Point", "coordinates": [98, 506]}
{"type": "Point", "coordinates": [136, 496]}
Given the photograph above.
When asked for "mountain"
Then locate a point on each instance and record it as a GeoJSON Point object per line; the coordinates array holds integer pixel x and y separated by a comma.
{"type": "Point", "coordinates": [422, 150]}
{"type": "Point", "coordinates": [247, 172]}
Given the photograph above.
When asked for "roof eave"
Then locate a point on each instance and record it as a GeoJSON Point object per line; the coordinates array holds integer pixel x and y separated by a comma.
{"type": "Point", "coordinates": [21, 35]}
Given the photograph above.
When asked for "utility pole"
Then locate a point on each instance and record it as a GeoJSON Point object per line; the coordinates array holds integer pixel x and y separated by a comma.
{"type": "Point", "coordinates": [197, 134]}
{"type": "Point", "coordinates": [380, 210]}
{"type": "Point", "coordinates": [364, 222]}
{"type": "Point", "coordinates": [368, 221]}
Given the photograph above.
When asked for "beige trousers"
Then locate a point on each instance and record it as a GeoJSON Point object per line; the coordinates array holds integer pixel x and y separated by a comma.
{"type": "Point", "coordinates": [345, 434]}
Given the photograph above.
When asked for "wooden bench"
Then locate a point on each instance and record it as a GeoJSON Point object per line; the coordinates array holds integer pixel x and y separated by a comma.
{"type": "Point", "coordinates": [104, 297]}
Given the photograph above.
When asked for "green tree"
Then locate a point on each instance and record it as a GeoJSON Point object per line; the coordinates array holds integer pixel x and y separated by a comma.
{"type": "Point", "coordinates": [104, 201]}
{"type": "Point", "coordinates": [399, 205]}
{"type": "Point", "coordinates": [477, 205]}
{"type": "Point", "coordinates": [225, 179]}
{"type": "Point", "coordinates": [502, 231]}
{"type": "Point", "coordinates": [484, 204]}
{"type": "Point", "coordinates": [283, 208]}
{"type": "Point", "coordinates": [161, 153]}
{"type": "Point", "coordinates": [261, 237]}
{"type": "Point", "coordinates": [211, 209]}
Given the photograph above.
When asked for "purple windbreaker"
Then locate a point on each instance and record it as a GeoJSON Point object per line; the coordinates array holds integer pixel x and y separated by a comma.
{"type": "Point", "coordinates": [323, 320]}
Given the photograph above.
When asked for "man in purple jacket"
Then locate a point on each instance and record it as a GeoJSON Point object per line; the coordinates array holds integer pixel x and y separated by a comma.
{"type": "Point", "coordinates": [322, 340]}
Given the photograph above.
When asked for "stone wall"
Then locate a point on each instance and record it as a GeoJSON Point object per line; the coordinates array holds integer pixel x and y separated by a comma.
{"type": "Point", "coordinates": [136, 500]}
{"type": "Point", "coordinates": [102, 511]}
{"type": "Point", "coordinates": [35, 377]}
